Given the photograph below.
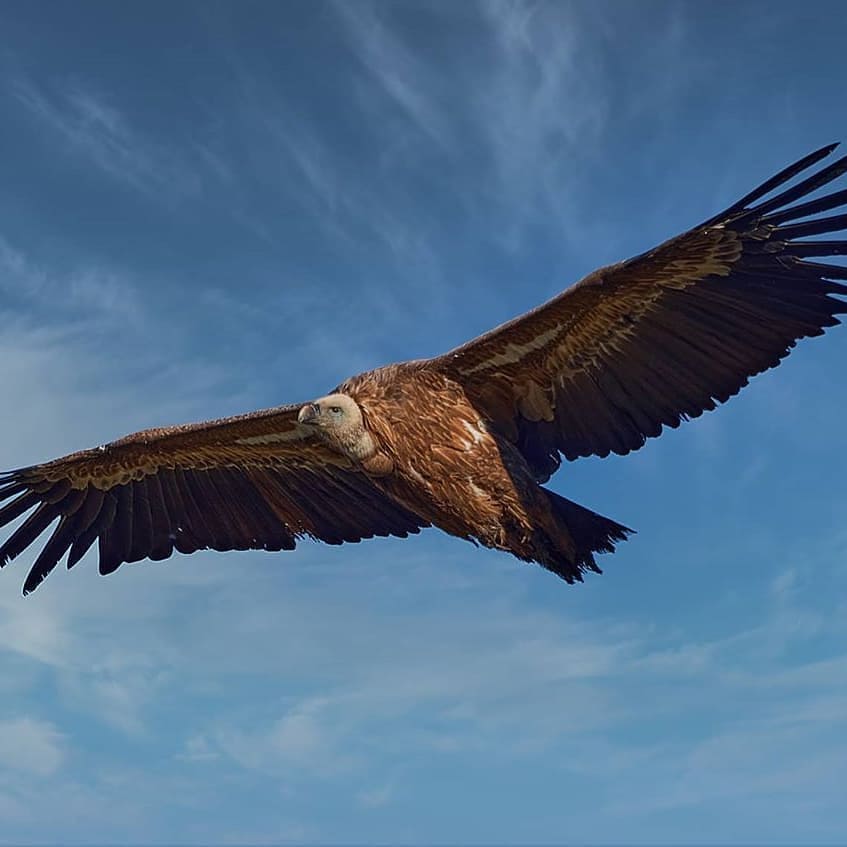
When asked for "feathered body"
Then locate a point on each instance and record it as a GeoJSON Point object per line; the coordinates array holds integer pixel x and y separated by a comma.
{"type": "Point", "coordinates": [452, 467]}
{"type": "Point", "coordinates": [464, 441]}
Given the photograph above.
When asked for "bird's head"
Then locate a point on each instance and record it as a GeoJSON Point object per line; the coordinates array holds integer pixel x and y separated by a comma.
{"type": "Point", "coordinates": [337, 419]}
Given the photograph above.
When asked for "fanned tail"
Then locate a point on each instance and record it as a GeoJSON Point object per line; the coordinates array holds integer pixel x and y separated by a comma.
{"type": "Point", "coordinates": [591, 533]}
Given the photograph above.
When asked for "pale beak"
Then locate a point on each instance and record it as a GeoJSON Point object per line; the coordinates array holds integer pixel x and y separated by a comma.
{"type": "Point", "coordinates": [309, 414]}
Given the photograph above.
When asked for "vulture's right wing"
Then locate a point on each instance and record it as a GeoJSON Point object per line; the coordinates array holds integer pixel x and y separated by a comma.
{"type": "Point", "coordinates": [668, 334]}
{"type": "Point", "coordinates": [255, 481]}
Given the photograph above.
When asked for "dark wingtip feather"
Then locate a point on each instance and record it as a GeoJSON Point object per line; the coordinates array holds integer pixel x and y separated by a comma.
{"type": "Point", "coordinates": [782, 177]}
{"type": "Point", "coordinates": [28, 531]}
{"type": "Point", "coordinates": [823, 270]}
{"type": "Point", "coordinates": [811, 207]}
{"type": "Point", "coordinates": [817, 180]}
{"type": "Point", "coordinates": [815, 248]}
{"type": "Point", "coordinates": [50, 555]}
{"type": "Point", "coordinates": [816, 226]}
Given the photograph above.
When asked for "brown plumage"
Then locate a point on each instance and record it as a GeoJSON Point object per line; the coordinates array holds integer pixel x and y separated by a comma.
{"type": "Point", "coordinates": [463, 441]}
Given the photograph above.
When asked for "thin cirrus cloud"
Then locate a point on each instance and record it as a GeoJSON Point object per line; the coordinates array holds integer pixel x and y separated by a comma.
{"type": "Point", "coordinates": [100, 133]}
{"type": "Point", "coordinates": [408, 82]}
{"type": "Point", "coordinates": [518, 109]}
{"type": "Point", "coordinates": [87, 290]}
{"type": "Point", "coordinates": [32, 746]}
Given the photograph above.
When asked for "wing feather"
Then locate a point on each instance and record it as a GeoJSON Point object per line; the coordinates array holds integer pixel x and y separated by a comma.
{"type": "Point", "coordinates": [250, 482]}
{"type": "Point", "coordinates": [102, 504]}
{"type": "Point", "coordinates": [667, 335]}
{"type": "Point", "coordinates": [162, 543]}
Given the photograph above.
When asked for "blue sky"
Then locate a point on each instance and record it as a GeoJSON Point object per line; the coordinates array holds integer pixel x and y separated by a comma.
{"type": "Point", "coordinates": [210, 208]}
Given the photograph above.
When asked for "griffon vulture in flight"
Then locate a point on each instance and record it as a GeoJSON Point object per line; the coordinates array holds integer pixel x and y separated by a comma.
{"type": "Point", "coordinates": [463, 441]}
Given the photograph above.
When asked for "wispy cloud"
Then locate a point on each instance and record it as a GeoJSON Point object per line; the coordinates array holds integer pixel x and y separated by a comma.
{"type": "Point", "coordinates": [375, 798]}
{"type": "Point", "coordinates": [531, 100]}
{"type": "Point", "coordinates": [197, 749]}
{"type": "Point", "coordinates": [402, 74]}
{"type": "Point", "coordinates": [89, 290]}
{"type": "Point", "coordinates": [100, 132]}
{"type": "Point", "coordinates": [304, 740]}
{"type": "Point", "coordinates": [31, 746]}
{"type": "Point", "coordinates": [540, 106]}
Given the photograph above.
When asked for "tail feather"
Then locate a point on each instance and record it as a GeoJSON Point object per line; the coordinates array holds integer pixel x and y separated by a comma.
{"type": "Point", "coordinates": [591, 533]}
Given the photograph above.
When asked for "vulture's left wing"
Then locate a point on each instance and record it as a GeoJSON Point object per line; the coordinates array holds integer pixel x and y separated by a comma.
{"type": "Point", "coordinates": [664, 336]}
{"type": "Point", "coordinates": [255, 481]}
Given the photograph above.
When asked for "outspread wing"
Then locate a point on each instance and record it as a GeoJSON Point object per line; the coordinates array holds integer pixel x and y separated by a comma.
{"type": "Point", "coordinates": [666, 335]}
{"type": "Point", "coordinates": [250, 482]}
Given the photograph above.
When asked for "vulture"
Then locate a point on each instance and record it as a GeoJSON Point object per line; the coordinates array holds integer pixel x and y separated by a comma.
{"type": "Point", "coordinates": [465, 441]}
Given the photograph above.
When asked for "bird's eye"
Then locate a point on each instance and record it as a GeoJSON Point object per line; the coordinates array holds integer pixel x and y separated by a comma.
{"type": "Point", "coordinates": [336, 410]}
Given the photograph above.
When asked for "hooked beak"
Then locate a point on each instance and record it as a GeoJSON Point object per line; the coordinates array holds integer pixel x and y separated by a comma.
{"type": "Point", "coordinates": [308, 414]}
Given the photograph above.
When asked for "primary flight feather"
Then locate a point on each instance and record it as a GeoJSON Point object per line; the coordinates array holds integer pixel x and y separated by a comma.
{"type": "Point", "coordinates": [464, 441]}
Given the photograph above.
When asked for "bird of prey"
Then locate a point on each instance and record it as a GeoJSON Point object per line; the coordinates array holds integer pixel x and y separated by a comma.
{"type": "Point", "coordinates": [465, 440]}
